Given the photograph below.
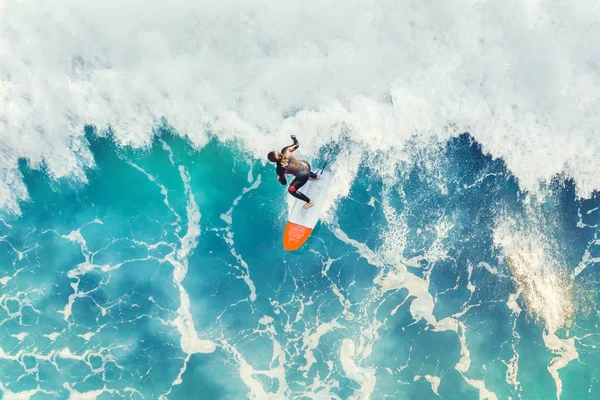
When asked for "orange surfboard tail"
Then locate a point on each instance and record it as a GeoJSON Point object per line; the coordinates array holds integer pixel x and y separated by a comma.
{"type": "Point", "coordinates": [295, 235]}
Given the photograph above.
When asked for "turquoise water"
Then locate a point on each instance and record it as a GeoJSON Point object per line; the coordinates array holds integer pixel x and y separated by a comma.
{"type": "Point", "coordinates": [402, 293]}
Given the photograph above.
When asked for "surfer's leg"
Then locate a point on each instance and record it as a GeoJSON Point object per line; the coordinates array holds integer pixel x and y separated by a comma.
{"type": "Point", "coordinates": [293, 189]}
{"type": "Point", "coordinates": [297, 183]}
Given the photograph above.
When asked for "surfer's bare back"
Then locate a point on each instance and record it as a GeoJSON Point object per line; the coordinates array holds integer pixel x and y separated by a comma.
{"type": "Point", "coordinates": [288, 164]}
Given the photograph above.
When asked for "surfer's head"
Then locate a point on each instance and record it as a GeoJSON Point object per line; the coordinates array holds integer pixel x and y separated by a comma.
{"type": "Point", "coordinates": [274, 156]}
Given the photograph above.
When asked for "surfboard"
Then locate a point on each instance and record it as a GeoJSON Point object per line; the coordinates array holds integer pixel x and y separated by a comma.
{"type": "Point", "coordinates": [301, 222]}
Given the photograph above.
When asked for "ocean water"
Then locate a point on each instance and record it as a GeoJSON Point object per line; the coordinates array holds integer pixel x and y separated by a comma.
{"type": "Point", "coordinates": [141, 225]}
{"type": "Point", "coordinates": [164, 275]}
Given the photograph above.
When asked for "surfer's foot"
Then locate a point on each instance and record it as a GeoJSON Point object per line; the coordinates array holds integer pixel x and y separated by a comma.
{"type": "Point", "coordinates": [314, 178]}
{"type": "Point", "coordinates": [309, 205]}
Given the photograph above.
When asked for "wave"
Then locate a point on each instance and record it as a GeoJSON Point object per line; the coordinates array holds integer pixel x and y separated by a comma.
{"type": "Point", "coordinates": [520, 76]}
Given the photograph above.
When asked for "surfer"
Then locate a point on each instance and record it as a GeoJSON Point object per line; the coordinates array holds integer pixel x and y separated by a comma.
{"type": "Point", "coordinates": [288, 164]}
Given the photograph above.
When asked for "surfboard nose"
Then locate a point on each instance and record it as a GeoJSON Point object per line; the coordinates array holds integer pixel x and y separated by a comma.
{"type": "Point", "coordinates": [295, 235]}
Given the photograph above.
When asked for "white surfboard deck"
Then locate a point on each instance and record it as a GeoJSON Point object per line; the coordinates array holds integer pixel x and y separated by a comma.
{"type": "Point", "coordinates": [317, 191]}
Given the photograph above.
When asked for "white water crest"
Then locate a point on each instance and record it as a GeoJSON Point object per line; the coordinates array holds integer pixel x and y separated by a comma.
{"type": "Point", "coordinates": [521, 76]}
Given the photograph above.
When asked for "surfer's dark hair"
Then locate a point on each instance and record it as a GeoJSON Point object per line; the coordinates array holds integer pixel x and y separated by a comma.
{"type": "Point", "coordinates": [272, 157]}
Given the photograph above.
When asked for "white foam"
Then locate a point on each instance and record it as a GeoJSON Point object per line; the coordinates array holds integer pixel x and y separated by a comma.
{"type": "Point", "coordinates": [24, 395]}
{"type": "Point", "coordinates": [21, 336]}
{"type": "Point", "coordinates": [368, 335]}
{"type": "Point", "coordinates": [319, 390]}
{"type": "Point", "coordinates": [381, 73]}
{"type": "Point", "coordinates": [190, 239]}
{"type": "Point", "coordinates": [543, 285]}
{"type": "Point", "coordinates": [512, 366]}
{"type": "Point", "coordinates": [537, 271]}
{"type": "Point", "coordinates": [178, 258]}
{"type": "Point", "coordinates": [89, 395]}
{"type": "Point", "coordinates": [311, 341]}
{"type": "Point", "coordinates": [484, 393]}
{"type": "Point", "coordinates": [512, 369]}
{"type": "Point", "coordinates": [365, 377]}
{"type": "Point", "coordinates": [512, 304]}
{"type": "Point", "coordinates": [184, 322]}
{"type": "Point", "coordinates": [435, 383]}
{"type": "Point", "coordinates": [488, 267]}
{"type": "Point", "coordinates": [132, 391]}
{"type": "Point", "coordinates": [83, 268]}
{"type": "Point", "coordinates": [452, 324]}
{"type": "Point", "coordinates": [587, 258]}
{"type": "Point", "coordinates": [422, 305]}
{"type": "Point", "coordinates": [580, 223]}
{"type": "Point", "coordinates": [68, 354]}
{"type": "Point", "coordinates": [566, 351]}
{"type": "Point", "coordinates": [228, 237]}
{"type": "Point", "coordinates": [248, 373]}
{"type": "Point", "coordinates": [464, 363]}
{"type": "Point", "coordinates": [265, 320]}
{"type": "Point", "coordinates": [394, 237]}
{"type": "Point", "coordinates": [421, 301]}
{"type": "Point", "coordinates": [163, 190]}
{"type": "Point", "coordinates": [372, 257]}
{"type": "Point", "coordinates": [87, 336]}
{"type": "Point", "coordinates": [7, 356]}
{"type": "Point", "coordinates": [52, 336]}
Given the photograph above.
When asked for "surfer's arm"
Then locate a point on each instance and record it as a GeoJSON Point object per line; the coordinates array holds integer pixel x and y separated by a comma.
{"type": "Point", "coordinates": [291, 148]}
{"type": "Point", "coordinates": [281, 175]}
